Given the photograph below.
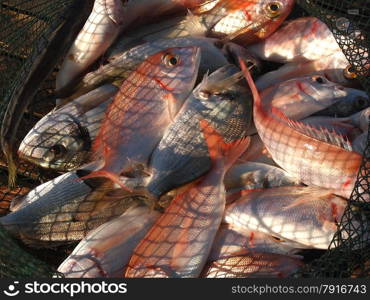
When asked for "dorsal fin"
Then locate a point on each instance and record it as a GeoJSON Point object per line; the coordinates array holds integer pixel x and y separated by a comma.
{"type": "Point", "coordinates": [321, 134]}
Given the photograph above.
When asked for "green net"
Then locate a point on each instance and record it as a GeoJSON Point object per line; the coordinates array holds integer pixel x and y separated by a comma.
{"type": "Point", "coordinates": [34, 26]}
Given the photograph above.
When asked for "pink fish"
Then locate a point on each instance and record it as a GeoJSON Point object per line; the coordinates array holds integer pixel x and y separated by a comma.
{"type": "Point", "coordinates": [179, 243]}
{"type": "Point", "coordinates": [299, 40]}
{"type": "Point", "coordinates": [334, 67]}
{"type": "Point", "coordinates": [143, 108]}
{"type": "Point", "coordinates": [316, 157]}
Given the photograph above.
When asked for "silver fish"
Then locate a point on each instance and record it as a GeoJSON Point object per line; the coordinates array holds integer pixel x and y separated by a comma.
{"type": "Point", "coordinates": [60, 211]}
{"type": "Point", "coordinates": [62, 139]}
{"type": "Point", "coordinates": [106, 250]}
{"type": "Point", "coordinates": [306, 215]}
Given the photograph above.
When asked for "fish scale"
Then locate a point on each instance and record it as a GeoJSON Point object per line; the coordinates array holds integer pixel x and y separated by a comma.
{"type": "Point", "coordinates": [144, 107]}
{"type": "Point", "coordinates": [313, 161]}
{"type": "Point", "coordinates": [182, 155]}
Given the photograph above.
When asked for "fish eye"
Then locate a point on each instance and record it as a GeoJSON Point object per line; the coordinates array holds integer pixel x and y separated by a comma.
{"type": "Point", "coordinates": [171, 60]}
{"type": "Point", "coordinates": [350, 72]}
{"type": "Point", "coordinates": [273, 9]}
{"type": "Point", "coordinates": [319, 79]}
{"type": "Point", "coordinates": [58, 151]}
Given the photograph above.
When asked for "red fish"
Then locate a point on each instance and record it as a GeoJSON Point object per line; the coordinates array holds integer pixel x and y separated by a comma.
{"type": "Point", "coordinates": [316, 157]}
{"type": "Point", "coordinates": [179, 243]}
{"type": "Point", "coordinates": [143, 108]}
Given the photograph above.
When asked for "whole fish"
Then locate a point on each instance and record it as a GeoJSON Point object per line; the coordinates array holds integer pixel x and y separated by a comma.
{"type": "Point", "coordinates": [299, 40]}
{"type": "Point", "coordinates": [145, 106]}
{"type": "Point", "coordinates": [182, 155]}
{"type": "Point", "coordinates": [106, 250]}
{"type": "Point", "coordinates": [121, 65]}
{"type": "Point", "coordinates": [180, 241]}
{"type": "Point", "coordinates": [233, 20]}
{"type": "Point", "coordinates": [62, 139]}
{"type": "Point", "coordinates": [106, 21]}
{"type": "Point", "coordinates": [251, 264]}
{"type": "Point", "coordinates": [231, 239]}
{"type": "Point", "coordinates": [315, 157]}
{"type": "Point", "coordinates": [334, 67]}
{"type": "Point", "coordinates": [252, 175]}
{"type": "Point", "coordinates": [305, 215]}
{"type": "Point", "coordinates": [61, 210]}
{"type": "Point", "coordinates": [301, 97]}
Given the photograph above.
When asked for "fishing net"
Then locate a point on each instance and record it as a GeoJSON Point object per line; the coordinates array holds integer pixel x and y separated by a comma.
{"type": "Point", "coordinates": [27, 71]}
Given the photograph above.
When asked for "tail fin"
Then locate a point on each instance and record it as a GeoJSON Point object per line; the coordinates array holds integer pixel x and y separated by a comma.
{"type": "Point", "coordinates": [248, 77]}
{"type": "Point", "coordinates": [106, 174]}
{"type": "Point", "coordinates": [217, 147]}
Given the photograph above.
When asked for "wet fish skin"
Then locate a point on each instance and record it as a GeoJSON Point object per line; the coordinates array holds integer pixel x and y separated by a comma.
{"type": "Point", "coordinates": [297, 41]}
{"type": "Point", "coordinates": [62, 139]}
{"type": "Point", "coordinates": [357, 101]}
{"type": "Point", "coordinates": [100, 30]}
{"type": "Point", "coordinates": [317, 158]}
{"type": "Point", "coordinates": [304, 96]}
{"type": "Point", "coordinates": [61, 211]}
{"type": "Point", "coordinates": [107, 20]}
{"type": "Point", "coordinates": [256, 152]}
{"type": "Point", "coordinates": [182, 156]}
{"type": "Point", "coordinates": [334, 67]}
{"type": "Point", "coordinates": [231, 239]}
{"type": "Point", "coordinates": [145, 106]}
{"type": "Point", "coordinates": [106, 250]}
{"type": "Point", "coordinates": [179, 243]}
{"type": "Point", "coordinates": [254, 175]}
{"type": "Point", "coordinates": [122, 64]}
{"type": "Point", "coordinates": [306, 215]}
{"type": "Point", "coordinates": [246, 21]}
{"type": "Point", "coordinates": [252, 265]}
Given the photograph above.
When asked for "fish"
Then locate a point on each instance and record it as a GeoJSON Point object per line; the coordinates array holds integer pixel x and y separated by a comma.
{"type": "Point", "coordinates": [254, 175]}
{"type": "Point", "coordinates": [107, 20]}
{"type": "Point", "coordinates": [182, 155]}
{"type": "Point", "coordinates": [360, 143]}
{"type": "Point", "coordinates": [305, 215]}
{"type": "Point", "coordinates": [302, 97]}
{"type": "Point", "coordinates": [347, 107]}
{"type": "Point", "coordinates": [246, 21]}
{"type": "Point", "coordinates": [299, 40]}
{"type": "Point", "coordinates": [62, 139]}
{"type": "Point", "coordinates": [257, 151]}
{"type": "Point", "coordinates": [250, 264]}
{"type": "Point", "coordinates": [334, 67]}
{"type": "Point", "coordinates": [144, 107]}
{"type": "Point", "coordinates": [106, 250]}
{"type": "Point", "coordinates": [232, 20]}
{"type": "Point", "coordinates": [61, 211]}
{"type": "Point", "coordinates": [315, 157]}
{"type": "Point", "coordinates": [350, 126]}
{"type": "Point", "coordinates": [121, 65]}
{"type": "Point", "coordinates": [230, 239]}
{"type": "Point", "coordinates": [180, 241]}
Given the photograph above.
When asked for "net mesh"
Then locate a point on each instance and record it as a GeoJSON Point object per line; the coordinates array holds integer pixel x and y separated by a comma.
{"type": "Point", "coordinates": [31, 28]}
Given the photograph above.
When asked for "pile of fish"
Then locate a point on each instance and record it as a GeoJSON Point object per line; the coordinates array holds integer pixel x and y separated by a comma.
{"type": "Point", "coordinates": [179, 157]}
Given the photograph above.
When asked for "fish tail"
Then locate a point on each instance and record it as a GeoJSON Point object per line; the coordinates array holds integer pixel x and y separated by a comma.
{"type": "Point", "coordinates": [106, 174]}
{"type": "Point", "coordinates": [218, 149]}
{"type": "Point", "coordinates": [252, 85]}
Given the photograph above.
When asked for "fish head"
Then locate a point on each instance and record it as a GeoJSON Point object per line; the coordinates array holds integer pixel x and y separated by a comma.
{"type": "Point", "coordinates": [316, 86]}
{"type": "Point", "coordinates": [57, 141]}
{"type": "Point", "coordinates": [251, 20]}
{"type": "Point", "coordinates": [176, 70]}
